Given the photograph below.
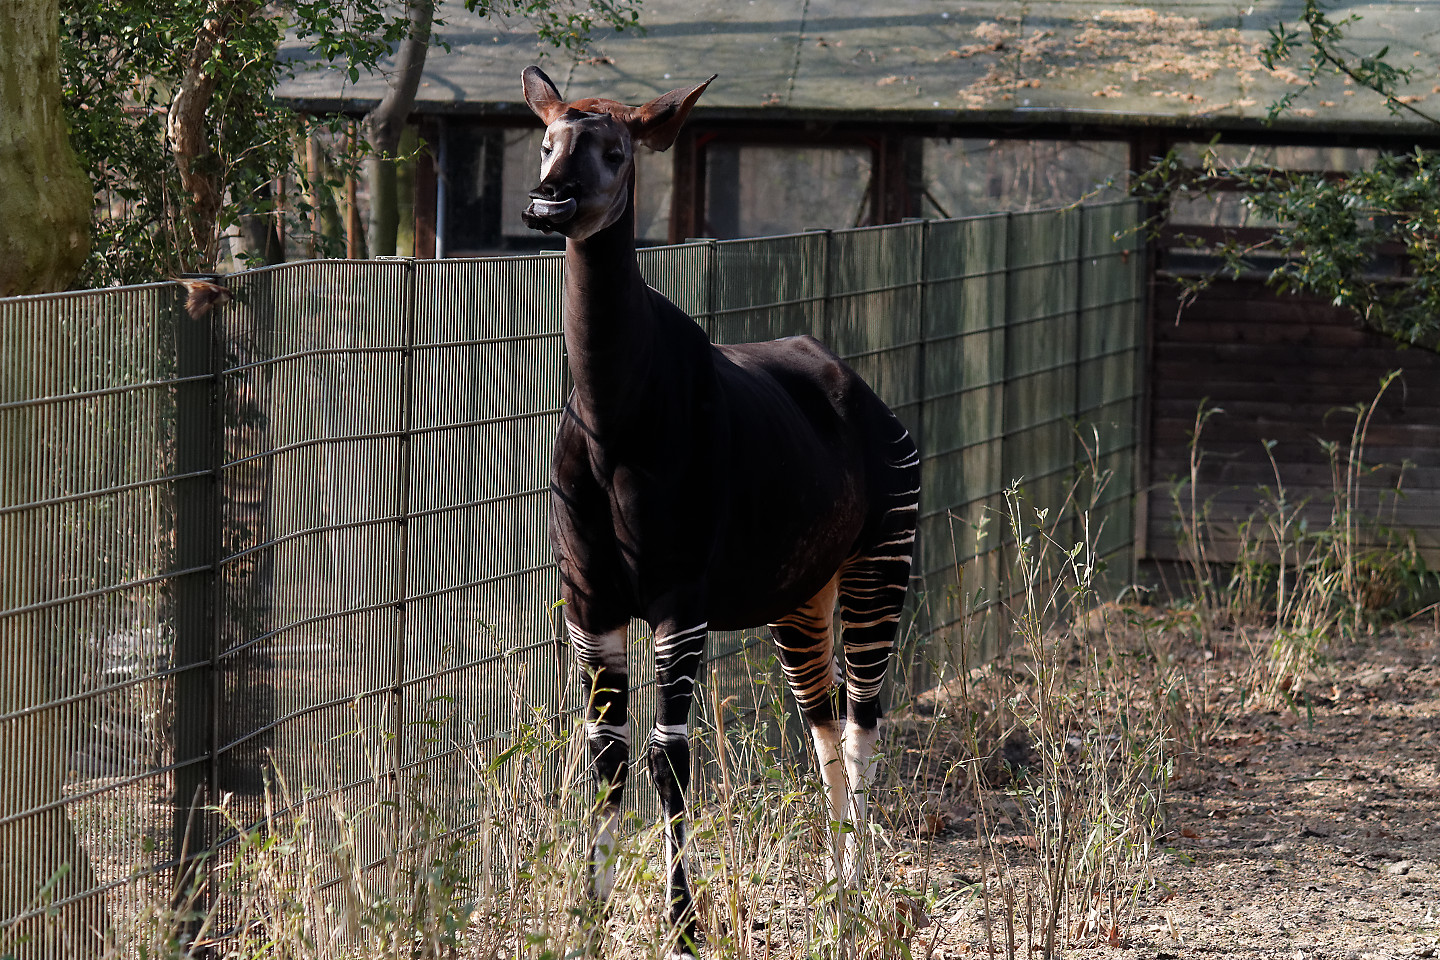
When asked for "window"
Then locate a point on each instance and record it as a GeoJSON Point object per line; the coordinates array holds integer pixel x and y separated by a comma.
{"type": "Point", "coordinates": [1225, 208]}
{"type": "Point", "coordinates": [965, 177]}
{"type": "Point", "coordinates": [754, 191]}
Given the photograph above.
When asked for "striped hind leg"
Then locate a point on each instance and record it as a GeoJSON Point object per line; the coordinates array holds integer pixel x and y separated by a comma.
{"type": "Point", "coordinates": [873, 584]}
{"type": "Point", "coordinates": [806, 643]}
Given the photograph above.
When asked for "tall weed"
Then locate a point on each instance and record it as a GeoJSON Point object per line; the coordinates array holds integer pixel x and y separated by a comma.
{"type": "Point", "coordinates": [1290, 577]}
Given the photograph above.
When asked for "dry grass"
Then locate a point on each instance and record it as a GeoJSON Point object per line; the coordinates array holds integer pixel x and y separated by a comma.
{"type": "Point", "coordinates": [1059, 759]}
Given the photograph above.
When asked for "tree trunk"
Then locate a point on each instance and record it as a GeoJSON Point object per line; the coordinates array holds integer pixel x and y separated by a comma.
{"type": "Point", "coordinates": [188, 133]}
{"type": "Point", "coordinates": [385, 124]}
{"type": "Point", "coordinates": [258, 241]}
{"type": "Point", "coordinates": [45, 197]}
{"type": "Point", "coordinates": [326, 227]}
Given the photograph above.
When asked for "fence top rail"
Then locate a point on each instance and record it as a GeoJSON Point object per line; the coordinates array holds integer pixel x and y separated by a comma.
{"type": "Point", "coordinates": [75, 294]}
{"type": "Point", "coordinates": [547, 254]}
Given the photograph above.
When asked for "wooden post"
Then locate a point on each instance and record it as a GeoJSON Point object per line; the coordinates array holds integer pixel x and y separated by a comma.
{"type": "Point", "coordinates": [354, 229]}
{"type": "Point", "coordinates": [312, 174]}
{"type": "Point", "coordinates": [899, 177]}
{"type": "Point", "coordinates": [197, 549]}
{"type": "Point", "coordinates": [687, 201]}
{"type": "Point", "coordinates": [280, 218]}
{"type": "Point", "coordinates": [426, 182]}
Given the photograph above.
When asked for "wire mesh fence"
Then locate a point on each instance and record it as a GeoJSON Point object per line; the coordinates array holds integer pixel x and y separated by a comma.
{"type": "Point", "coordinates": [304, 534]}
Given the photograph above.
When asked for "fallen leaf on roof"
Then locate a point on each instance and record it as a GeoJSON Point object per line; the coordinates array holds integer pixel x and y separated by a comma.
{"type": "Point", "coordinates": [1139, 45]}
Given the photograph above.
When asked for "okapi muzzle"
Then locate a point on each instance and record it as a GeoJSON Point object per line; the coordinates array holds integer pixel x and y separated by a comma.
{"type": "Point", "coordinates": [550, 207]}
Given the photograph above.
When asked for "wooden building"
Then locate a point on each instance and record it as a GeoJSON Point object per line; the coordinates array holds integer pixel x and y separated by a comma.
{"type": "Point", "coordinates": [1292, 374]}
{"type": "Point", "coordinates": [836, 113]}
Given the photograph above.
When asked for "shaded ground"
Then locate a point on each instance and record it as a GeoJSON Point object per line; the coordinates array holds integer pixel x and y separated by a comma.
{"type": "Point", "coordinates": [1308, 834]}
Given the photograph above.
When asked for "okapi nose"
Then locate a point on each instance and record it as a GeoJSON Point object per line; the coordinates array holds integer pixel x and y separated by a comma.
{"type": "Point", "coordinates": [551, 204]}
{"type": "Point", "coordinates": [554, 191]}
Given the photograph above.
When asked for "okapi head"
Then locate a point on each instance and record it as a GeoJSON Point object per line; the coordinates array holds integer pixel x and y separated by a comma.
{"type": "Point", "coordinates": [587, 159]}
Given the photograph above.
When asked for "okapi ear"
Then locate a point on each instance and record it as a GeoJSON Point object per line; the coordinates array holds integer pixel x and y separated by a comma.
{"type": "Point", "coordinates": [658, 123]}
{"type": "Point", "coordinates": [541, 96]}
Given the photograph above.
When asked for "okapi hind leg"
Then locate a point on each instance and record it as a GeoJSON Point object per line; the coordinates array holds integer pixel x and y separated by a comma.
{"type": "Point", "coordinates": [805, 640]}
{"type": "Point", "coordinates": [873, 585]}
{"type": "Point", "coordinates": [678, 652]}
{"type": "Point", "coordinates": [606, 676]}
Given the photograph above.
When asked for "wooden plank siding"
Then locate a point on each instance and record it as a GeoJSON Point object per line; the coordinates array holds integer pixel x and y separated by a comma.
{"type": "Point", "coordinates": [1289, 369]}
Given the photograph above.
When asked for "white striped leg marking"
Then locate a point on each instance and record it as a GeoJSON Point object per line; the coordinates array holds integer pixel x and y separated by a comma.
{"type": "Point", "coordinates": [599, 650]}
{"type": "Point", "coordinates": [594, 730]}
{"type": "Point", "coordinates": [676, 732]}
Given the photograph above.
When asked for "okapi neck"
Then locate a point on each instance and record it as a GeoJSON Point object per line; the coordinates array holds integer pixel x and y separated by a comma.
{"type": "Point", "coordinates": [609, 320]}
{"type": "Point", "coordinates": [603, 265]}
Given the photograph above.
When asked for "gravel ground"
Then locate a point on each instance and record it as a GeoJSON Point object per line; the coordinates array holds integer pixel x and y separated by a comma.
{"type": "Point", "coordinates": [1309, 834]}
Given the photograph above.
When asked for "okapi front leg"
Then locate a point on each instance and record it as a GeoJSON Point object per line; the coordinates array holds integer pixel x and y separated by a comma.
{"type": "Point", "coordinates": [607, 733]}
{"type": "Point", "coordinates": [678, 652]}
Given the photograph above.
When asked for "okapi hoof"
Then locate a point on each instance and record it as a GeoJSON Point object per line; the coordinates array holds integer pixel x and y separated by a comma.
{"type": "Point", "coordinates": [591, 921]}
{"type": "Point", "coordinates": [683, 952]}
{"type": "Point", "coordinates": [686, 945]}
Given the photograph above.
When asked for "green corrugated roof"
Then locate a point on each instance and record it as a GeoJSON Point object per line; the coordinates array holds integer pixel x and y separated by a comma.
{"type": "Point", "coordinates": [929, 59]}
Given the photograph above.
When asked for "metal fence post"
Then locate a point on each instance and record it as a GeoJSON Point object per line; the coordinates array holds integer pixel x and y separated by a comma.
{"type": "Point", "coordinates": [198, 460]}
{"type": "Point", "coordinates": [827, 287]}
{"type": "Point", "coordinates": [922, 298]}
{"type": "Point", "coordinates": [1077, 446]}
{"type": "Point", "coordinates": [1002, 580]}
{"type": "Point", "coordinates": [405, 467]}
{"type": "Point", "coordinates": [922, 304]}
{"type": "Point", "coordinates": [712, 288]}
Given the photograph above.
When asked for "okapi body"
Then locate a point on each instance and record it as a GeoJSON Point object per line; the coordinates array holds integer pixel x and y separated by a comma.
{"type": "Point", "coordinates": [701, 487]}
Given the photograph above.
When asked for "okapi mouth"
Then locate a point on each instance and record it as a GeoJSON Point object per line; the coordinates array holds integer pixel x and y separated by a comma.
{"type": "Point", "coordinates": [548, 215]}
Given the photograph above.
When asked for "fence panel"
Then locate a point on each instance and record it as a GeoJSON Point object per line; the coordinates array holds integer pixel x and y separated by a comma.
{"type": "Point", "coordinates": [769, 288]}
{"type": "Point", "coordinates": [875, 317]}
{"type": "Point", "coordinates": [487, 395]}
{"type": "Point", "coordinates": [313, 397]}
{"type": "Point", "coordinates": [962, 430]}
{"type": "Point", "coordinates": [1111, 357]}
{"type": "Point", "coordinates": [305, 533]}
{"type": "Point", "coordinates": [1040, 380]}
{"type": "Point", "coordinates": [480, 648]}
{"type": "Point", "coordinates": [90, 601]}
{"type": "Point", "coordinates": [685, 274]}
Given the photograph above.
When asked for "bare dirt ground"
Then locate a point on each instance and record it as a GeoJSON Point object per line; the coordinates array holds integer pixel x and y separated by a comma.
{"type": "Point", "coordinates": [1305, 834]}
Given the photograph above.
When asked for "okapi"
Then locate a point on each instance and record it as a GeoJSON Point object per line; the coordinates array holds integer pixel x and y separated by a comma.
{"type": "Point", "coordinates": [702, 487]}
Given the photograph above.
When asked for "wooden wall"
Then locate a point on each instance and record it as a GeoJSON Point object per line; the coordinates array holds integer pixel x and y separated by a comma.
{"type": "Point", "coordinates": [1282, 369]}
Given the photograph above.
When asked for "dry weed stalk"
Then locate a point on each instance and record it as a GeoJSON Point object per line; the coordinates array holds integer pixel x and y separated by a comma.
{"type": "Point", "coordinates": [1299, 583]}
